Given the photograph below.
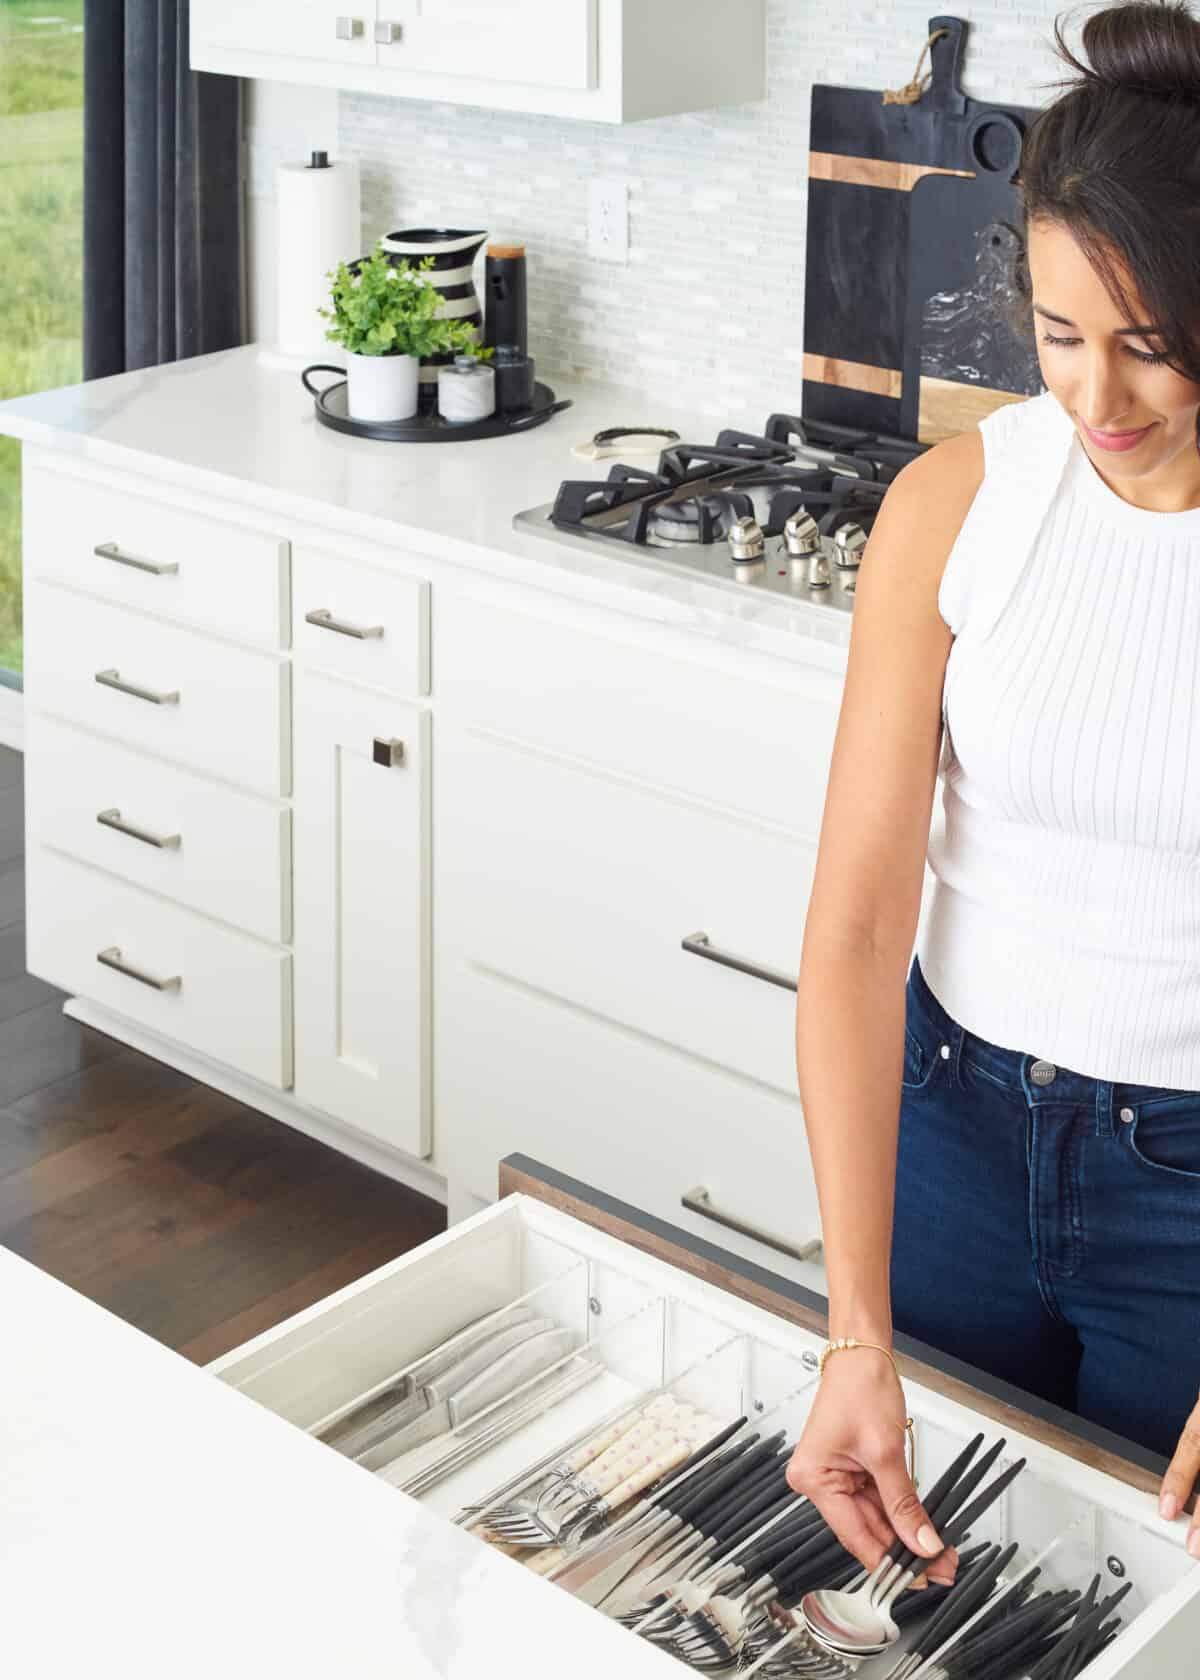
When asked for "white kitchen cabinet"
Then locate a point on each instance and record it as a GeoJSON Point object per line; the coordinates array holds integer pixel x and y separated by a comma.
{"type": "Point", "coordinates": [649, 1309]}
{"type": "Point", "coordinates": [616, 965]}
{"type": "Point", "coordinates": [550, 43]}
{"type": "Point", "coordinates": [603, 60]}
{"type": "Point", "coordinates": [362, 910]}
{"type": "Point", "coordinates": [335, 32]}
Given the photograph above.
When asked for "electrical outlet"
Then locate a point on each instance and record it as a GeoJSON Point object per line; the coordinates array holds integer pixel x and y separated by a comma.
{"type": "Point", "coordinates": [608, 219]}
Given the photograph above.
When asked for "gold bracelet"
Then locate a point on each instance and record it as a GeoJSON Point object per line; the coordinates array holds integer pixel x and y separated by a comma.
{"type": "Point", "coordinates": [853, 1342]}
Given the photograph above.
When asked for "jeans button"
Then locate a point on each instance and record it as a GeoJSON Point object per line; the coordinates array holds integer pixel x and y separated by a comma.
{"type": "Point", "coordinates": [1043, 1073]}
{"type": "Point", "coordinates": [944, 1052]}
{"type": "Point", "coordinates": [1126, 1115]}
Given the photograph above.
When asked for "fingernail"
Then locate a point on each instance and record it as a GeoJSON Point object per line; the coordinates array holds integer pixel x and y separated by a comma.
{"type": "Point", "coordinates": [1194, 1543]}
{"type": "Point", "coordinates": [1168, 1507]}
{"type": "Point", "coordinates": [928, 1541]}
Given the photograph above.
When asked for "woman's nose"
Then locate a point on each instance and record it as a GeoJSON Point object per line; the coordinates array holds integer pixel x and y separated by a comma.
{"type": "Point", "coordinates": [1105, 401]}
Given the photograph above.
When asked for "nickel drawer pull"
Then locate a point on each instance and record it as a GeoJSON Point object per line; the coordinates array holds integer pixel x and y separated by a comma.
{"type": "Point", "coordinates": [114, 819]}
{"type": "Point", "coordinates": [698, 945]}
{"type": "Point", "coordinates": [324, 620]}
{"type": "Point", "coordinates": [111, 958]}
{"type": "Point", "coordinates": [156, 697]}
{"type": "Point", "coordinates": [697, 1201]}
{"type": "Point", "coordinates": [160, 568]}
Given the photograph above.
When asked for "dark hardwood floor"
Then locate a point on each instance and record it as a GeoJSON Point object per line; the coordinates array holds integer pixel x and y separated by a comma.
{"type": "Point", "coordinates": [197, 1219]}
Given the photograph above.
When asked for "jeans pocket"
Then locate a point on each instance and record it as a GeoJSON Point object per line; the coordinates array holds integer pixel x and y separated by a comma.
{"type": "Point", "coordinates": [920, 1047]}
{"type": "Point", "coordinates": [1164, 1134]}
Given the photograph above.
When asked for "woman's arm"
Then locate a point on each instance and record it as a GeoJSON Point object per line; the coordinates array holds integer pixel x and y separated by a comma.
{"type": "Point", "coordinates": [858, 939]}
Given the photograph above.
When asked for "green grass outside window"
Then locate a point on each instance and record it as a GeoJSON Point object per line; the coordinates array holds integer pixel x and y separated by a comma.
{"type": "Point", "coordinates": [41, 240]}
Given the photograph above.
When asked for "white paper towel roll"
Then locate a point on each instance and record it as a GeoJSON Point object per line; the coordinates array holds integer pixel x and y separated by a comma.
{"type": "Point", "coordinates": [318, 225]}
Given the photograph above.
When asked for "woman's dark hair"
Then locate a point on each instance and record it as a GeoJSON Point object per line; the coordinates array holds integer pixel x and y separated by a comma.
{"type": "Point", "coordinates": [1116, 161]}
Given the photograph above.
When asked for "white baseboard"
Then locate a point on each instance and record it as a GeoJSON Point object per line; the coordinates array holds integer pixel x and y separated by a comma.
{"type": "Point", "coordinates": [362, 1149]}
{"type": "Point", "coordinates": [12, 718]}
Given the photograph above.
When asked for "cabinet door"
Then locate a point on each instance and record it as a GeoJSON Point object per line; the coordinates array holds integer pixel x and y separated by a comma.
{"type": "Point", "coordinates": [340, 31]}
{"type": "Point", "coordinates": [362, 909]}
{"type": "Point", "coordinates": [548, 43]}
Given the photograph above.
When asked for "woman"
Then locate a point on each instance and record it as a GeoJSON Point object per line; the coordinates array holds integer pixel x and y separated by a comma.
{"type": "Point", "coordinates": [1007, 1147]}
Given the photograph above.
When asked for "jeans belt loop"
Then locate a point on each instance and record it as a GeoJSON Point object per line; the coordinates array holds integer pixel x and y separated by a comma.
{"type": "Point", "coordinates": [956, 1048]}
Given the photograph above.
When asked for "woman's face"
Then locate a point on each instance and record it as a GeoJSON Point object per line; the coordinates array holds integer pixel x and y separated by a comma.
{"type": "Point", "coordinates": [1097, 368]}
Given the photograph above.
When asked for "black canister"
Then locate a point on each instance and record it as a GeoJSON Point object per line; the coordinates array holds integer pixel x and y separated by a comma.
{"type": "Point", "coordinates": [507, 295]}
{"type": "Point", "coordinates": [514, 379]}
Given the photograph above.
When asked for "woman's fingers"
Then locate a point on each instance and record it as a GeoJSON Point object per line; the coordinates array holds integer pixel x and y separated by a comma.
{"type": "Point", "coordinates": [847, 1515]}
{"type": "Point", "coordinates": [900, 1502]}
{"type": "Point", "coordinates": [943, 1568]}
{"type": "Point", "coordinates": [1180, 1479]}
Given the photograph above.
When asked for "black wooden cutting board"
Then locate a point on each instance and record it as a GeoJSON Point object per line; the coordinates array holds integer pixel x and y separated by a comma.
{"type": "Point", "coordinates": [863, 331]}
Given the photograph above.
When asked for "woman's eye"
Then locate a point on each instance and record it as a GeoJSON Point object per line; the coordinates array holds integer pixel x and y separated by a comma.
{"type": "Point", "coordinates": [1141, 355]}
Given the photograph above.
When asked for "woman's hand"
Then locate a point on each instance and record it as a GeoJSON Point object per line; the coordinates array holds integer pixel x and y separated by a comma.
{"type": "Point", "coordinates": [1180, 1479]}
{"type": "Point", "coordinates": [850, 1461]}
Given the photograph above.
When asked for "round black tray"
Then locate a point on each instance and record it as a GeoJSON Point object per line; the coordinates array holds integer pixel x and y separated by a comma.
{"type": "Point", "coordinates": [330, 403]}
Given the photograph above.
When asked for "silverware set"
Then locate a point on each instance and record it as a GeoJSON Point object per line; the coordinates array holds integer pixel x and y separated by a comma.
{"type": "Point", "coordinates": [723, 1566]}
{"type": "Point", "coordinates": [681, 1525]}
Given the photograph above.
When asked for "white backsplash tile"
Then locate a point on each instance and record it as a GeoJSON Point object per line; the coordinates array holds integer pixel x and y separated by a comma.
{"type": "Point", "coordinates": [708, 312]}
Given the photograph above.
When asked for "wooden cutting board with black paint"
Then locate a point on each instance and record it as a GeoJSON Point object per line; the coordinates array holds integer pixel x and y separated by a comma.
{"type": "Point", "coordinates": [917, 350]}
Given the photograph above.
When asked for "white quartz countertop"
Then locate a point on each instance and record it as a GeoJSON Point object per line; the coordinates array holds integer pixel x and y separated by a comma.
{"type": "Point", "coordinates": [153, 1521]}
{"type": "Point", "coordinates": [238, 424]}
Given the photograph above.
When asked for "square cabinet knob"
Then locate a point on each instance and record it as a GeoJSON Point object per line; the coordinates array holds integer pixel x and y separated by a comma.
{"type": "Point", "coordinates": [389, 753]}
{"type": "Point", "coordinates": [387, 34]}
{"type": "Point", "coordinates": [349, 28]}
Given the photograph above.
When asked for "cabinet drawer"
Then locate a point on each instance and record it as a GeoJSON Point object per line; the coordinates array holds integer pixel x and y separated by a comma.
{"type": "Point", "coordinates": [138, 552]}
{"type": "Point", "coordinates": [592, 885]}
{"type": "Point", "coordinates": [227, 854]}
{"type": "Point", "coordinates": [592, 686]}
{"type": "Point", "coordinates": [215, 990]}
{"type": "Point", "coordinates": [201, 703]}
{"type": "Point", "coordinates": [717, 1337]}
{"type": "Point", "coordinates": [357, 622]}
{"type": "Point", "coordinates": [532, 1073]}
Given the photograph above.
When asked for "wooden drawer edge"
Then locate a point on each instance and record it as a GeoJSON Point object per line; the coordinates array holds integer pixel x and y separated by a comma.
{"type": "Point", "coordinates": [1012, 1408]}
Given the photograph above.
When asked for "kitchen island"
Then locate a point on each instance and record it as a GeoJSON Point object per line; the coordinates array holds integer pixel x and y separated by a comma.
{"type": "Point", "coordinates": [154, 1517]}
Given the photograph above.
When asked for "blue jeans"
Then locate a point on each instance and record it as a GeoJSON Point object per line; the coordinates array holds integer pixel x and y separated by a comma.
{"type": "Point", "coordinates": [1047, 1229]}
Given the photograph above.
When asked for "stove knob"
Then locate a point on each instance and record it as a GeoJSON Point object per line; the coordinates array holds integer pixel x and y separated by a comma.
{"type": "Point", "coordinates": [849, 542]}
{"type": "Point", "coordinates": [801, 536]}
{"type": "Point", "coordinates": [819, 575]}
{"type": "Point", "coordinates": [746, 540]}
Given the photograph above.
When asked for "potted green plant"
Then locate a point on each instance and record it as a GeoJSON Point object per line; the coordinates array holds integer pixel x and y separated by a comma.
{"type": "Point", "coordinates": [385, 317]}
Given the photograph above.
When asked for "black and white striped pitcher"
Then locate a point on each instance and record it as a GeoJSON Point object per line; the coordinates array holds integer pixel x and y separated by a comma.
{"type": "Point", "coordinates": [453, 251]}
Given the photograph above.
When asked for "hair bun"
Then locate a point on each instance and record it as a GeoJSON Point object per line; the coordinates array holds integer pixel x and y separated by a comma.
{"type": "Point", "coordinates": [1144, 46]}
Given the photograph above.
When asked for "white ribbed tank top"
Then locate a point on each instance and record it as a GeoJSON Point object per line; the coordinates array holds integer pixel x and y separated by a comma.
{"type": "Point", "coordinates": [1065, 915]}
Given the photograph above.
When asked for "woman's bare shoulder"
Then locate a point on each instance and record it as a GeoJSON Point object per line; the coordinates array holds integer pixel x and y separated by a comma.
{"type": "Point", "coordinates": [944, 480]}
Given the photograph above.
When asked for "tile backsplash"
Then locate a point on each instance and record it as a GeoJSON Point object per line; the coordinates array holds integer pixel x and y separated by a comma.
{"type": "Point", "coordinates": [708, 311]}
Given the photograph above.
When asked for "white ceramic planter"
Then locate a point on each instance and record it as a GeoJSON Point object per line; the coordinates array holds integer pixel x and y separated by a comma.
{"type": "Point", "coordinates": [382, 387]}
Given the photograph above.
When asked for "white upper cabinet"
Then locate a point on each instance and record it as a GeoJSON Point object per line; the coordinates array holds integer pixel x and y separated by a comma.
{"type": "Point", "coordinates": [604, 60]}
{"type": "Point", "coordinates": [550, 42]}
{"type": "Point", "coordinates": [336, 32]}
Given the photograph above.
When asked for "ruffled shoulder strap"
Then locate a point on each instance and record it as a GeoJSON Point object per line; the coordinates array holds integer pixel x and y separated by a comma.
{"type": "Point", "coordinates": [1026, 448]}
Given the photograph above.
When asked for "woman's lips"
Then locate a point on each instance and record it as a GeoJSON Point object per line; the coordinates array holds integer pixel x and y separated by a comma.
{"type": "Point", "coordinates": [1116, 442]}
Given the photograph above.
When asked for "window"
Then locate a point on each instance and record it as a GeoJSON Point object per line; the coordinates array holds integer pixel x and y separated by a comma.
{"type": "Point", "coordinates": [41, 242]}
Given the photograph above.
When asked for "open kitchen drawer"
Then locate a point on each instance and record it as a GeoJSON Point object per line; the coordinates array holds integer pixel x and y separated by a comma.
{"type": "Point", "coordinates": [638, 1307]}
